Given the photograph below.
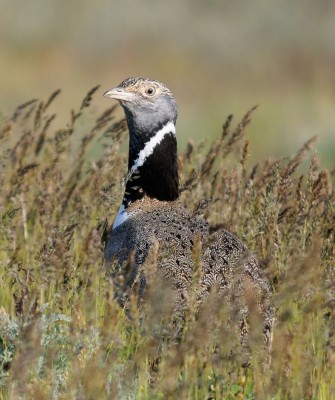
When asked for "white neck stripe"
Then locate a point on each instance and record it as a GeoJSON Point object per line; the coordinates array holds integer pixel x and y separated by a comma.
{"type": "Point", "coordinates": [151, 144]}
{"type": "Point", "coordinates": [121, 216]}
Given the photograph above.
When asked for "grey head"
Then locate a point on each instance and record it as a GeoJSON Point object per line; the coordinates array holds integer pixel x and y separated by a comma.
{"type": "Point", "coordinates": [148, 105]}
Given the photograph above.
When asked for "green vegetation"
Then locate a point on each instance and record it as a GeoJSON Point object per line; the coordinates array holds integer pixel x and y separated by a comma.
{"type": "Point", "coordinates": [61, 333]}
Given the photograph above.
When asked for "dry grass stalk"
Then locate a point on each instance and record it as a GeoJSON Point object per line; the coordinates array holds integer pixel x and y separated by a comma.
{"type": "Point", "coordinates": [61, 332]}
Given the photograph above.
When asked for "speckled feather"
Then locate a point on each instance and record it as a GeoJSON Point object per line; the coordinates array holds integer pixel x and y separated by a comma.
{"type": "Point", "coordinates": [226, 262]}
{"type": "Point", "coordinates": [135, 83]}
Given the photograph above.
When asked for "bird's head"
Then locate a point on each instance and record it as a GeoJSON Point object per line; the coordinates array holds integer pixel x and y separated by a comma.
{"type": "Point", "coordinates": [151, 113]}
{"type": "Point", "coordinates": [148, 104]}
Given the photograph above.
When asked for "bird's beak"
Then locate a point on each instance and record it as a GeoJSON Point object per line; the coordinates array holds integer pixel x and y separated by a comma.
{"type": "Point", "coordinates": [119, 94]}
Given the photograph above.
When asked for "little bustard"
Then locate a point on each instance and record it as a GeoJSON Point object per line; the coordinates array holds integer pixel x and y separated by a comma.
{"type": "Point", "coordinates": [150, 213]}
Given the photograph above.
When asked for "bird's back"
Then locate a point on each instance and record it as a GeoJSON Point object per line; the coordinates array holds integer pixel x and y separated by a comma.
{"type": "Point", "coordinates": [224, 258]}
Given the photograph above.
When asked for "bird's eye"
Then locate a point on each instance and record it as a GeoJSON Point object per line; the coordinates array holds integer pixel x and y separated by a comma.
{"type": "Point", "coordinates": [150, 91]}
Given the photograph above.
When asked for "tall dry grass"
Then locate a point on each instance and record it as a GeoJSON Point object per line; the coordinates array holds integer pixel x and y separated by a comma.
{"type": "Point", "coordinates": [62, 335]}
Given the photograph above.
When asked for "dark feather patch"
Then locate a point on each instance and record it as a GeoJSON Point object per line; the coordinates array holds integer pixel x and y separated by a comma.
{"type": "Point", "coordinates": [158, 176]}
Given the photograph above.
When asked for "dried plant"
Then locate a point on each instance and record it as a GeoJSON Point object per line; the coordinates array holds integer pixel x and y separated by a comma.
{"type": "Point", "coordinates": [62, 334]}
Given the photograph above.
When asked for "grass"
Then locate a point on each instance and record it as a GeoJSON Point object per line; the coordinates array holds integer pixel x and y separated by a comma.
{"type": "Point", "coordinates": [63, 336]}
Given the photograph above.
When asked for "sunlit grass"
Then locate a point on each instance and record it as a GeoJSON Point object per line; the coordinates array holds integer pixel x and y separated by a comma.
{"type": "Point", "coordinates": [62, 334]}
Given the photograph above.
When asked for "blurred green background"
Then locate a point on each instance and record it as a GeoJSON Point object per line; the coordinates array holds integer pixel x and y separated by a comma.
{"type": "Point", "coordinates": [217, 57]}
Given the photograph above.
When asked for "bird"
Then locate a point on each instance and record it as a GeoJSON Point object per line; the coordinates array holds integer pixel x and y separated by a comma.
{"type": "Point", "coordinates": [151, 213]}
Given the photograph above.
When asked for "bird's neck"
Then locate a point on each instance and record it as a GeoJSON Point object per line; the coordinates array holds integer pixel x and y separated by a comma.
{"type": "Point", "coordinates": [153, 164]}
